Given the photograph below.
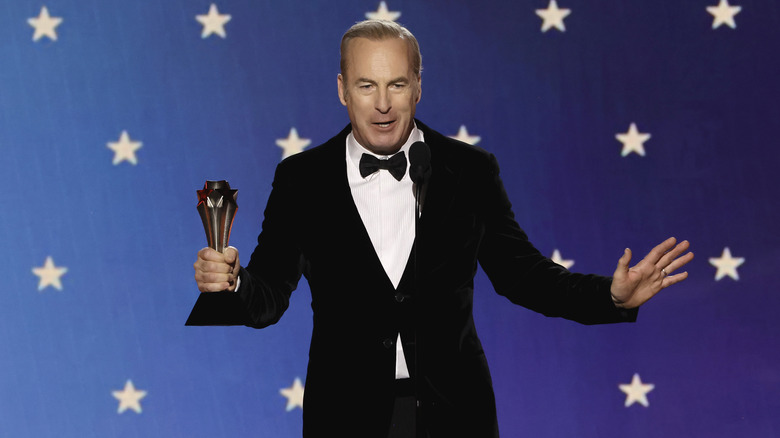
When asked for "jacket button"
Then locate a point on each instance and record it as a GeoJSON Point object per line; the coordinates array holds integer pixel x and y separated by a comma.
{"type": "Point", "coordinates": [399, 297]}
{"type": "Point", "coordinates": [388, 343]}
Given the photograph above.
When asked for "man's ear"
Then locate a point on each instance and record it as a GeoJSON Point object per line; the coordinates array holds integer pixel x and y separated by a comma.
{"type": "Point", "coordinates": [419, 88]}
{"type": "Point", "coordinates": [342, 90]}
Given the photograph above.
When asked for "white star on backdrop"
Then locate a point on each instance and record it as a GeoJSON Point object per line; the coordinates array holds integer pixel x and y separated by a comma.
{"type": "Point", "coordinates": [382, 13]}
{"type": "Point", "coordinates": [294, 395]}
{"type": "Point", "coordinates": [49, 274]}
{"type": "Point", "coordinates": [724, 14]}
{"type": "Point", "coordinates": [45, 25]}
{"type": "Point", "coordinates": [553, 17]}
{"type": "Point", "coordinates": [636, 391]}
{"type": "Point", "coordinates": [129, 398]}
{"type": "Point", "coordinates": [633, 141]}
{"type": "Point", "coordinates": [556, 257]}
{"type": "Point", "coordinates": [292, 144]}
{"type": "Point", "coordinates": [463, 135]}
{"type": "Point", "coordinates": [124, 149]}
{"type": "Point", "coordinates": [213, 22]}
{"type": "Point", "coordinates": [726, 264]}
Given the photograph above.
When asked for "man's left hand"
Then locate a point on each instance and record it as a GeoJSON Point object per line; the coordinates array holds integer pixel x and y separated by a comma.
{"type": "Point", "coordinates": [632, 287]}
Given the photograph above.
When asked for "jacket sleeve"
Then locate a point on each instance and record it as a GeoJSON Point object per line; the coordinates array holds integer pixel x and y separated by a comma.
{"type": "Point", "coordinates": [521, 273]}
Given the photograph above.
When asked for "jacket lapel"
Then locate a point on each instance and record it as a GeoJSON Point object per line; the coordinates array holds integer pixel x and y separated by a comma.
{"type": "Point", "coordinates": [442, 188]}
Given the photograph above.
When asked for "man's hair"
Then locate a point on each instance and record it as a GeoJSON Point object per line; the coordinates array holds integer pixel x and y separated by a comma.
{"type": "Point", "coordinates": [378, 30]}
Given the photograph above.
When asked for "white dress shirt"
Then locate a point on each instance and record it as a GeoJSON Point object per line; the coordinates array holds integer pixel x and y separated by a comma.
{"type": "Point", "coordinates": [386, 207]}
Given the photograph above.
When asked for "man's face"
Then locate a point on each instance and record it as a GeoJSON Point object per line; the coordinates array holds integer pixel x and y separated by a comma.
{"type": "Point", "coordinates": [380, 91]}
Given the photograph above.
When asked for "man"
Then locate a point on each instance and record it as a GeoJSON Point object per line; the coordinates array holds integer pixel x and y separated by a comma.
{"type": "Point", "coordinates": [393, 311]}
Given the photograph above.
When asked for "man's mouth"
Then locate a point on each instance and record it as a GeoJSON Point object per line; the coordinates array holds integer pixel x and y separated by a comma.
{"type": "Point", "coordinates": [384, 124]}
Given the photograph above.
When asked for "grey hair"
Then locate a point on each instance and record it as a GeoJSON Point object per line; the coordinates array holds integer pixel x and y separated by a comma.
{"type": "Point", "coordinates": [378, 30]}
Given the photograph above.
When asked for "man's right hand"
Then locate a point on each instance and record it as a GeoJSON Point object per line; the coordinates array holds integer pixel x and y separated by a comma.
{"type": "Point", "coordinates": [215, 271]}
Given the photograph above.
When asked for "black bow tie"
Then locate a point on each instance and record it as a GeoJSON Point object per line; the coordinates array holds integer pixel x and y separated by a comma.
{"type": "Point", "coordinates": [396, 165]}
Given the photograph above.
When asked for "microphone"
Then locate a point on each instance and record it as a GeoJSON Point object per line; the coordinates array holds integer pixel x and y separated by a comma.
{"type": "Point", "coordinates": [419, 162]}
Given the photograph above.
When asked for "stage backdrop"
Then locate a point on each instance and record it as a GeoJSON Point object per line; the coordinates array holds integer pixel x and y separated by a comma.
{"type": "Point", "coordinates": [616, 124]}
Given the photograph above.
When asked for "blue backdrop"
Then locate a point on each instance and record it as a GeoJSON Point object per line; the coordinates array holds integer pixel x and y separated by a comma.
{"type": "Point", "coordinates": [616, 124]}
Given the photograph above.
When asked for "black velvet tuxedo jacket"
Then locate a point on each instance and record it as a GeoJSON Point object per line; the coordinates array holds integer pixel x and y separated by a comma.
{"type": "Point", "coordinates": [312, 228]}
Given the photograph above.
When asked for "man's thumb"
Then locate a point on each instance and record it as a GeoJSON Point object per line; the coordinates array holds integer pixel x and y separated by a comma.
{"type": "Point", "coordinates": [231, 254]}
{"type": "Point", "coordinates": [624, 260]}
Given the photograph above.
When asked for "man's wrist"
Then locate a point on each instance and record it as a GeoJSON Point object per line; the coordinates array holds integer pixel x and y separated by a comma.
{"type": "Point", "coordinates": [617, 302]}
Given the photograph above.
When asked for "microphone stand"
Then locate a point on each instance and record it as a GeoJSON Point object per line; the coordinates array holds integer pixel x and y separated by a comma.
{"type": "Point", "coordinates": [419, 172]}
{"type": "Point", "coordinates": [419, 429]}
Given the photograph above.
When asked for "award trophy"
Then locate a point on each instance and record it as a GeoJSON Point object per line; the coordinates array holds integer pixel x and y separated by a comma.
{"type": "Point", "coordinates": [217, 207]}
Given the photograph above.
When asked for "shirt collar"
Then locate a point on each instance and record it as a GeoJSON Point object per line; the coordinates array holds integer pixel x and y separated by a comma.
{"type": "Point", "coordinates": [355, 150]}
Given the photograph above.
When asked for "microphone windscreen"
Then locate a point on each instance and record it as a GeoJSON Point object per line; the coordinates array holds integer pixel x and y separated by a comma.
{"type": "Point", "coordinates": [419, 162]}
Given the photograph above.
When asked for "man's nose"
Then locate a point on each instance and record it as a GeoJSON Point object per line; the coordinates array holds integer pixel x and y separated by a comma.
{"type": "Point", "coordinates": [382, 103]}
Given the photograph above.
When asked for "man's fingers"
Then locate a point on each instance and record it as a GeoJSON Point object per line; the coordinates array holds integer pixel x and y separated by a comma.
{"type": "Point", "coordinates": [656, 254]}
{"type": "Point", "coordinates": [212, 277]}
{"type": "Point", "coordinates": [672, 279]}
{"type": "Point", "coordinates": [213, 287]}
{"type": "Point", "coordinates": [673, 253]}
{"type": "Point", "coordinates": [215, 267]}
{"type": "Point", "coordinates": [213, 281]}
{"type": "Point", "coordinates": [678, 262]}
{"type": "Point", "coordinates": [210, 260]}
